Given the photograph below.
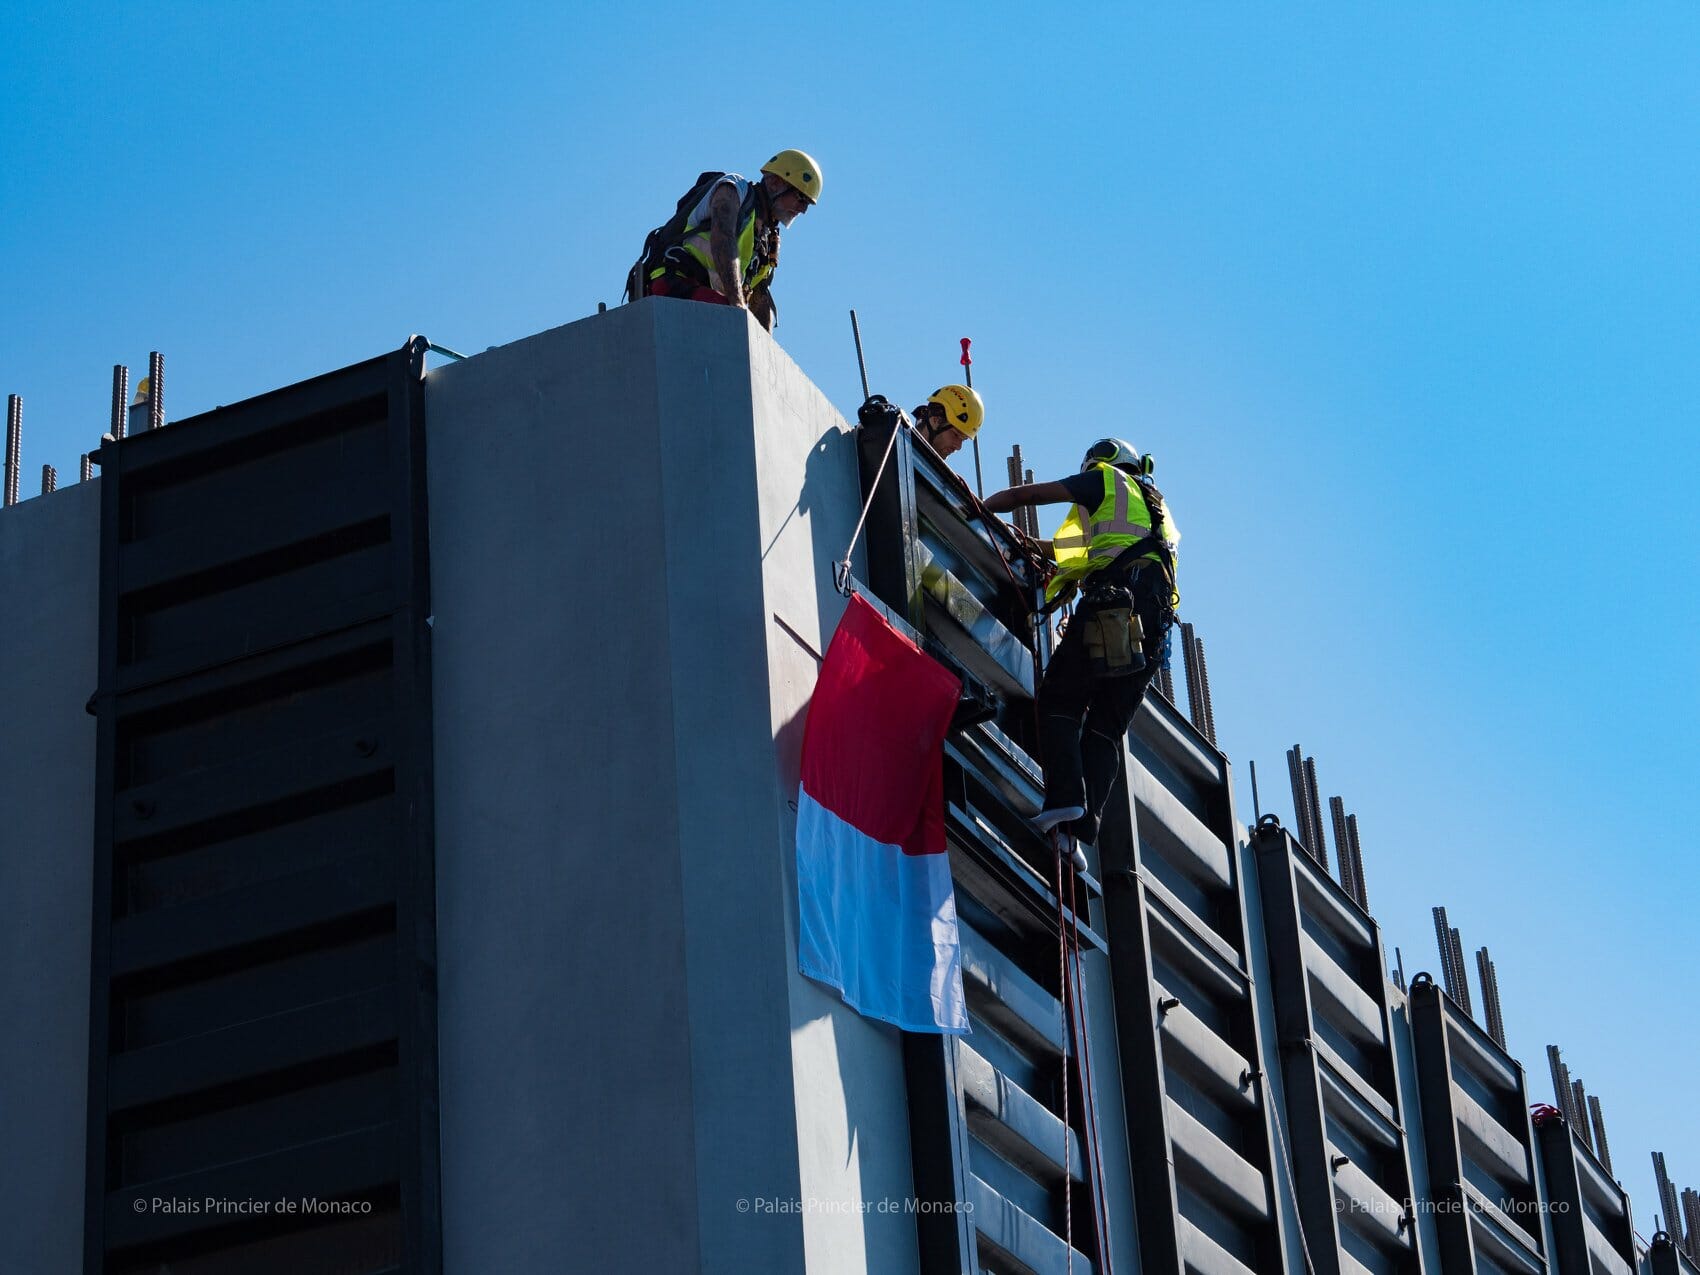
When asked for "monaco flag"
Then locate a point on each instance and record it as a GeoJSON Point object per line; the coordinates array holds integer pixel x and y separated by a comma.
{"type": "Point", "coordinates": [877, 915]}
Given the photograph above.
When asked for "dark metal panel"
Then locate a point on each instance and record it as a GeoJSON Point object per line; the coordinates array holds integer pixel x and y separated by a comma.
{"type": "Point", "coordinates": [1440, 1130]}
{"type": "Point", "coordinates": [264, 694]}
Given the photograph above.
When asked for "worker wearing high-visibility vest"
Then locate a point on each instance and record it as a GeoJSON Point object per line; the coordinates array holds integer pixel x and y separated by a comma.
{"type": "Point", "coordinates": [722, 244]}
{"type": "Point", "coordinates": [1117, 547]}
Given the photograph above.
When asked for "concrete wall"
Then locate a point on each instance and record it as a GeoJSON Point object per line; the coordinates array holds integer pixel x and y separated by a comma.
{"type": "Point", "coordinates": [616, 532]}
{"type": "Point", "coordinates": [49, 619]}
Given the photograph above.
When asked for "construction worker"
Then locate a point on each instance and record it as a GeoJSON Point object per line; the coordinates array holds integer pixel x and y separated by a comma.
{"type": "Point", "coordinates": [950, 417]}
{"type": "Point", "coordinates": [1117, 548]}
{"type": "Point", "coordinates": [722, 244]}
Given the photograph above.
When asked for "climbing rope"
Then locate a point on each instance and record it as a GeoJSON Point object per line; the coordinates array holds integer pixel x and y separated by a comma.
{"type": "Point", "coordinates": [841, 570]}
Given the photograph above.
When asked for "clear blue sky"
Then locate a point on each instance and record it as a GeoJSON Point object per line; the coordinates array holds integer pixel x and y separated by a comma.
{"type": "Point", "coordinates": [1405, 300]}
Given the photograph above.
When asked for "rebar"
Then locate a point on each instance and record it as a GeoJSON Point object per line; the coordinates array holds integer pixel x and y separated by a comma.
{"type": "Point", "coordinates": [1342, 852]}
{"type": "Point", "coordinates": [1313, 803]}
{"type": "Point", "coordinates": [1691, 1218]}
{"type": "Point", "coordinates": [1463, 997]}
{"type": "Point", "coordinates": [1581, 1096]}
{"type": "Point", "coordinates": [1031, 512]}
{"type": "Point", "coordinates": [120, 399]}
{"type": "Point", "coordinates": [1166, 683]}
{"type": "Point", "coordinates": [1357, 862]}
{"type": "Point", "coordinates": [1399, 970]}
{"type": "Point", "coordinates": [1490, 996]}
{"type": "Point", "coordinates": [1204, 691]}
{"type": "Point", "coordinates": [1301, 799]}
{"type": "Point", "coordinates": [14, 446]}
{"type": "Point", "coordinates": [49, 479]}
{"type": "Point", "coordinates": [85, 468]}
{"type": "Point", "coordinates": [156, 390]}
{"type": "Point", "coordinates": [1601, 1148]}
{"type": "Point", "coordinates": [1559, 1088]}
{"type": "Point", "coordinates": [1444, 943]}
{"type": "Point", "coordinates": [1667, 1199]}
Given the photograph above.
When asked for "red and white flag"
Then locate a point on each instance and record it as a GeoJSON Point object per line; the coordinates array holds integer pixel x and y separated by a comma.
{"type": "Point", "coordinates": [876, 909]}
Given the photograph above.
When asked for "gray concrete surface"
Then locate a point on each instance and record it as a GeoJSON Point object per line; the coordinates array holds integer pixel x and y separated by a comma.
{"type": "Point", "coordinates": [623, 1036]}
{"type": "Point", "coordinates": [49, 624]}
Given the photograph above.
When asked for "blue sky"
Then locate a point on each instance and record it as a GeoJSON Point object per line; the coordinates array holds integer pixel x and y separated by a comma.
{"type": "Point", "coordinates": [1404, 300]}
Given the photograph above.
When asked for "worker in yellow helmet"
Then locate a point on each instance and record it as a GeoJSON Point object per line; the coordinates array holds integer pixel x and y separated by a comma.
{"type": "Point", "coordinates": [722, 243]}
{"type": "Point", "coordinates": [950, 417]}
{"type": "Point", "coordinates": [1117, 547]}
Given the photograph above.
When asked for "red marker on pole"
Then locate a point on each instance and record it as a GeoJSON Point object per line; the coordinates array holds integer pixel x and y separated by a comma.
{"type": "Point", "coordinates": [968, 363]}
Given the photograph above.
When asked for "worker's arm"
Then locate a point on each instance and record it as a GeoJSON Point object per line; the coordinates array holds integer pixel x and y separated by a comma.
{"type": "Point", "coordinates": [1001, 502]}
{"type": "Point", "coordinates": [723, 241]}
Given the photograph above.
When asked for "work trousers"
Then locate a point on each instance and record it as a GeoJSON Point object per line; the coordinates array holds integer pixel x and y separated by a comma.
{"type": "Point", "coordinates": [1083, 719]}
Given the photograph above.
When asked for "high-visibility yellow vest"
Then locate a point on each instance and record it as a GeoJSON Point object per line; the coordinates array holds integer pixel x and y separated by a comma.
{"type": "Point", "coordinates": [753, 265]}
{"type": "Point", "coordinates": [1089, 540]}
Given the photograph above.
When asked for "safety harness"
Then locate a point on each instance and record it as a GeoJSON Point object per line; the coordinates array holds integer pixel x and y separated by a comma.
{"type": "Point", "coordinates": [669, 250]}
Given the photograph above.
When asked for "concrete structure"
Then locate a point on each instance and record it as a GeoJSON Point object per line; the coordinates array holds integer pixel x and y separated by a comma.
{"type": "Point", "coordinates": [612, 546]}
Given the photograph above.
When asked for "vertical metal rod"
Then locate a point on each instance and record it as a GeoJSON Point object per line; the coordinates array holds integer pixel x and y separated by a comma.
{"type": "Point", "coordinates": [1313, 801]}
{"type": "Point", "coordinates": [1691, 1217]}
{"type": "Point", "coordinates": [861, 364]}
{"type": "Point", "coordinates": [1463, 997]}
{"type": "Point", "coordinates": [1581, 1096]}
{"type": "Point", "coordinates": [1357, 862]}
{"type": "Point", "coordinates": [1399, 966]}
{"type": "Point", "coordinates": [1443, 940]}
{"type": "Point", "coordinates": [968, 371]}
{"type": "Point", "coordinates": [49, 479]}
{"type": "Point", "coordinates": [1342, 845]}
{"type": "Point", "coordinates": [1031, 511]}
{"type": "Point", "coordinates": [1166, 683]}
{"type": "Point", "coordinates": [1601, 1149]}
{"type": "Point", "coordinates": [1560, 1090]}
{"type": "Point", "coordinates": [156, 390]}
{"type": "Point", "coordinates": [120, 399]}
{"type": "Point", "coordinates": [14, 446]}
{"type": "Point", "coordinates": [1256, 808]}
{"type": "Point", "coordinates": [85, 468]}
{"type": "Point", "coordinates": [1667, 1197]}
{"type": "Point", "coordinates": [1301, 798]}
{"type": "Point", "coordinates": [1490, 996]}
{"type": "Point", "coordinates": [1204, 687]}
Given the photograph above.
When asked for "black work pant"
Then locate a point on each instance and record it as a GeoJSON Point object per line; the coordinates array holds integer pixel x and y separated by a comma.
{"type": "Point", "coordinates": [1083, 719]}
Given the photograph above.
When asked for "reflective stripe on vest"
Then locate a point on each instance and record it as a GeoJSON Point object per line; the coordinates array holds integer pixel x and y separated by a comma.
{"type": "Point", "coordinates": [1089, 540]}
{"type": "Point", "coordinates": [698, 230]}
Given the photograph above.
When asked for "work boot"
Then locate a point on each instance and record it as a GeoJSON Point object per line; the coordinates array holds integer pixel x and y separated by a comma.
{"type": "Point", "coordinates": [1051, 816]}
{"type": "Point", "coordinates": [1068, 848]}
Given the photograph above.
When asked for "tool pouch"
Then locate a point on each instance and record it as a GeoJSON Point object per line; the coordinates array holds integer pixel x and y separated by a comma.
{"type": "Point", "coordinates": [1112, 631]}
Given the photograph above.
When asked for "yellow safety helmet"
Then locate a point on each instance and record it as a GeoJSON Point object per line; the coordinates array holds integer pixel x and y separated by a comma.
{"type": "Point", "coordinates": [798, 170]}
{"type": "Point", "coordinates": [962, 407]}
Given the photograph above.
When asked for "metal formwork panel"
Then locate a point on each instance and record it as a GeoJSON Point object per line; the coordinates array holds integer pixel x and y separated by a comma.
{"type": "Point", "coordinates": [1592, 1227]}
{"type": "Point", "coordinates": [987, 1112]}
{"type": "Point", "coordinates": [1186, 1007]}
{"type": "Point", "coordinates": [262, 1078]}
{"type": "Point", "coordinates": [1486, 1194]}
{"type": "Point", "coordinates": [1351, 1156]}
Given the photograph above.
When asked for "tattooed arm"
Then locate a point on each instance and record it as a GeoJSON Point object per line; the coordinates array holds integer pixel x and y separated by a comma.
{"type": "Point", "coordinates": [722, 242]}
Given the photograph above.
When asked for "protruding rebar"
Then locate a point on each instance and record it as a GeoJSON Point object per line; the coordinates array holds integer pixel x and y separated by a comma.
{"type": "Point", "coordinates": [1667, 1198]}
{"type": "Point", "coordinates": [1691, 1217]}
{"type": "Point", "coordinates": [1560, 1087]}
{"type": "Point", "coordinates": [1166, 683]}
{"type": "Point", "coordinates": [1443, 940]}
{"type": "Point", "coordinates": [1463, 996]}
{"type": "Point", "coordinates": [1197, 683]}
{"type": "Point", "coordinates": [1313, 803]}
{"type": "Point", "coordinates": [1362, 893]}
{"type": "Point", "coordinates": [14, 446]}
{"type": "Point", "coordinates": [49, 479]}
{"type": "Point", "coordinates": [1580, 1095]}
{"type": "Point", "coordinates": [1601, 1148]}
{"type": "Point", "coordinates": [1031, 511]}
{"type": "Point", "coordinates": [1399, 970]}
{"type": "Point", "coordinates": [1301, 800]}
{"type": "Point", "coordinates": [120, 399]}
{"type": "Point", "coordinates": [1342, 844]}
{"type": "Point", "coordinates": [156, 390]}
{"type": "Point", "coordinates": [85, 468]}
{"type": "Point", "coordinates": [1490, 996]}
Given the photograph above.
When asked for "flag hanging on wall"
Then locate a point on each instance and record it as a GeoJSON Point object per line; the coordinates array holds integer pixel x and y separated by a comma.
{"type": "Point", "coordinates": [877, 914]}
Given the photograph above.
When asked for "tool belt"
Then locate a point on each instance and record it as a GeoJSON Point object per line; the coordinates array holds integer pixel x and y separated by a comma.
{"type": "Point", "coordinates": [1110, 629]}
